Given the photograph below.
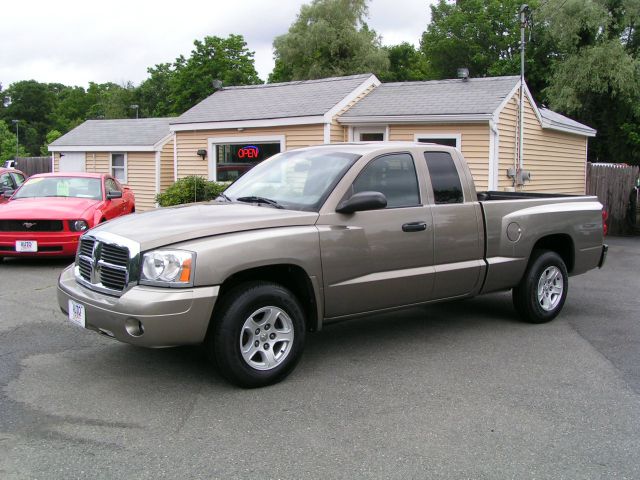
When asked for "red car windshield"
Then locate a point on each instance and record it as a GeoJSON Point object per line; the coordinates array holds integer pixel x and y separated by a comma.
{"type": "Point", "coordinates": [77, 187]}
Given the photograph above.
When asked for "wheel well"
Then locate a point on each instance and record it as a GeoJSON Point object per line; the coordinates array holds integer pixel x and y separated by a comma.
{"type": "Point", "coordinates": [292, 277]}
{"type": "Point", "coordinates": [560, 243]}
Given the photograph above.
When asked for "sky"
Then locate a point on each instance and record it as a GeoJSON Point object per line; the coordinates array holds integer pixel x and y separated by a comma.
{"type": "Point", "coordinates": [74, 42]}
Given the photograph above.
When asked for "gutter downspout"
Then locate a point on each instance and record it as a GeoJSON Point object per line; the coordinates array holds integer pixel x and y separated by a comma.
{"type": "Point", "coordinates": [494, 155]}
{"type": "Point", "coordinates": [175, 157]}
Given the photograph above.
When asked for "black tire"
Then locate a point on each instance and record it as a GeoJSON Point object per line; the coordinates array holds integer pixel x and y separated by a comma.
{"type": "Point", "coordinates": [526, 298]}
{"type": "Point", "coordinates": [230, 329]}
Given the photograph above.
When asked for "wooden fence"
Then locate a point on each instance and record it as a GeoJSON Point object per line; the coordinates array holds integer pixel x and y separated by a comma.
{"type": "Point", "coordinates": [612, 184]}
{"type": "Point", "coordinates": [32, 165]}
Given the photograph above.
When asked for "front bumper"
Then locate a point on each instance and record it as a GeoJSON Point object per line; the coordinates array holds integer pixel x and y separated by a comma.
{"type": "Point", "coordinates": [169, 317]}
{"type": "Point", "coordinates": [603, 255]}
{"type": "Point", "coordinates": [50, 244]}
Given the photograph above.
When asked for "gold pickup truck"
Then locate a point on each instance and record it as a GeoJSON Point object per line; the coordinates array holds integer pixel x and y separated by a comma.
{"type": "Point", "coordinates": [321, 234]}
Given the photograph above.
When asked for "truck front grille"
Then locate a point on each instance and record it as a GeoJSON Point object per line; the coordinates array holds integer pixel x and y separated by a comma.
{"type": "Point", "coordinates": [103, 266]}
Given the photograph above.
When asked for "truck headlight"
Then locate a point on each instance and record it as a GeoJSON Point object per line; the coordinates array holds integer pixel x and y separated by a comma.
{"type": "Point", "coordinates": [168, 268]}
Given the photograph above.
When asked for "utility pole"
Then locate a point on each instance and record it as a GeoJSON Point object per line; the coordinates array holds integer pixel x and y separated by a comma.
{"type": "Point", "coordinates": [524, 11]}
{"type": "Point", "coordinates": [17, 122]}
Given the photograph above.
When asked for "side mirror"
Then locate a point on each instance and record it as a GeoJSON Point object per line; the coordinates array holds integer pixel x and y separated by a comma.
{"type": "Point", "coordinates": [8, 193]}
{"type": "Point", "coordinates": [363, 201]}
{"type": "Point", "coordinates": [113, 194]}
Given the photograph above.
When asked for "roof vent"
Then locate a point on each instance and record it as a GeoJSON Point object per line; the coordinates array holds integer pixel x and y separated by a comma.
{"type": "Point", "coordinates": [217, 84]}
{"type": "Point", "coordinates": [463, 74]}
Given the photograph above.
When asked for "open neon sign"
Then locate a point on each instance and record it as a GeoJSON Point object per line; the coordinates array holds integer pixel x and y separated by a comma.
{"type": "Point", "coordinates": [250, 151]}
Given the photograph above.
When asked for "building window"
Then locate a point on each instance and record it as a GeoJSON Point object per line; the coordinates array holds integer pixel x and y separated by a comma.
{"type": "Point", "coordinates": [369, 134]}
{"type": "Point", "coordinates": [235, 159]}
{"type": "Point", "coordinates": [119, 166]}
{"type": "Point", "coordinates": [448, 139]}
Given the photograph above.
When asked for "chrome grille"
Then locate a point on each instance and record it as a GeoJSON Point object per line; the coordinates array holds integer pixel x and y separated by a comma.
{"type": "Point", "coordinates": [103, 265]}
{"type": "Point", "coordinates": [115, 255]}
{"type": "Point", "coordinates": [86, 246]}
{"type": "Point", "coordinates": [85, 268]}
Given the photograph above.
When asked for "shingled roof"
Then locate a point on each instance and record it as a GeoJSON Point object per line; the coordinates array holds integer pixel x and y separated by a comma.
{"type": "Point", "coordinates": [273, 100]}
{"type": "Point", "coordinates": [143, 132]}
{"type": "Point", "coordinates": [436, 97]}
{"type": "Point", "coordinates": [475, 99]}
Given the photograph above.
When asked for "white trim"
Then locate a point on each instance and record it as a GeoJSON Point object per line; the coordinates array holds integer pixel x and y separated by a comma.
{"type": "Point", "coordinates": [350, 133]}
{"type": "Point", "coordinates": [544, 123]}
{"type": "Point", "coordinates": [371, 81]}
{"type": "Point", "coordinates": [384, 119]}
{"type": "Point", "coordinates": [103, 148]}
{"type": "Point", "coordinates": [175, 157]}
{"type": "Point", "coordinates": [161, 143]}
{"type": "Point", "coordinates": [566, 129]}
{"type": "Point", "coordinates": [158, 159]}
{"type": "Point", "coordinates": [126, 177]}
{"type": "Point", "coordinates": [506, 100]}
{"type": "Point", "coordinates": [270, 122]}
{"type": "Point", "coordinates": [327, 132]}
{"type": "Point", "coordinates": [435, 135]}
{"type": "Point", "coordinates": [53, 162]}
{"type": "Point", "coordinates": [358, 130]}
{"type": "Point", "coordinates": [211, 141]}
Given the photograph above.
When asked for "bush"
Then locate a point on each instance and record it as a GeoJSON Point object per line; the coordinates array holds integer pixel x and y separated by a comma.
{"type": "Point", "coordinates": [190, 189]}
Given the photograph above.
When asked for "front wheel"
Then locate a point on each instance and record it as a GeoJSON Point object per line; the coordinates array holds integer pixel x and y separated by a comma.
{"type": "Point", "coordinates": [540, 295]}
{"type": "Point", "coordinates": [258, 334]}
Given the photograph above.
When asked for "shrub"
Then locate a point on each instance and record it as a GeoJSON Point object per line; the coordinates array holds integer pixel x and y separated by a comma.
{"type": "Point", "coordinates": [190, 189]}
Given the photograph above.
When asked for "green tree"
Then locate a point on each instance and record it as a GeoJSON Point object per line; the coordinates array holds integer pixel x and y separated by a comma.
{"type": "Point", "coordinates": [154, 94]}
{"type": "Point", "coordinates": [110, 100]}
{"type": "Point", "coordinates": [31, 103]}
{"type": "Point", "coordinates": [328, 38]}
{"type": "Point", "coordinates": [406, 64]}
{"type": "Point", "coordinates": [51, 136]}
{"type": "Point", "coordinates": [226, 59]}
{"type": "Point", "coordinates": [8, 144]}
{"type": "Point", "coordinates": [484, 36]}
{"type": "Point", "coordinates": [596, 77]}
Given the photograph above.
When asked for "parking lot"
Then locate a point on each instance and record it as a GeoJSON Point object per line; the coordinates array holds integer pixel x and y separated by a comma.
{"type": "Point", "coordinates": [460, 390]}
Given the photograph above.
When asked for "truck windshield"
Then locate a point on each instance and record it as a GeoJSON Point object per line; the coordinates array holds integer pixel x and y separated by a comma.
{"type": "Point", "coordinates": [298, 180]}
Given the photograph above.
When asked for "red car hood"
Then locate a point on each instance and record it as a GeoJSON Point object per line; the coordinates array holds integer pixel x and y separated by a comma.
{"type": "Point", "coordinates": [49, 208]}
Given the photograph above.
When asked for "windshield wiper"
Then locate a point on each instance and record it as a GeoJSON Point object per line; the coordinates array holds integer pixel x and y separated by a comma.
{"type": "Point", "coordinates": [254, 199]}
{"type": "Point", "coordinates": [222, 195]}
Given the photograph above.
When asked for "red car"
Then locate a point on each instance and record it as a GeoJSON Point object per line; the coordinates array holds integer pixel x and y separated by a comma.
{"type": "Point", "coordinates": [49, 212]}
{"type": "Point", "coordinates": [10, 179]}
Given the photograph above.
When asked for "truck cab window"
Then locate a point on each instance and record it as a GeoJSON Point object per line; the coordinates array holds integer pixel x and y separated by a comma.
{"type": "Point", "coordinates": [444, 178]}
{"type": "Point", "coordinates": [392, 175]}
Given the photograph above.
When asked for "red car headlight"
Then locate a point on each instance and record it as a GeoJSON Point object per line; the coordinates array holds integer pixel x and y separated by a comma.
{"type": "Point", "coordinates": [78, 225]}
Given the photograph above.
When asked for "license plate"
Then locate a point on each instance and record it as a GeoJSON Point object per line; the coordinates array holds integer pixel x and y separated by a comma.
{"type": "Point", "coordinates": [76, 313]}
{"type": "Point", "coordinates": [26, 246]}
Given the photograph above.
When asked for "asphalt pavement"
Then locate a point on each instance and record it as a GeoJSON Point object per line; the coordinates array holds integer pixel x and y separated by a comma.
{"type": "Point", "coordinates": [461, 390]}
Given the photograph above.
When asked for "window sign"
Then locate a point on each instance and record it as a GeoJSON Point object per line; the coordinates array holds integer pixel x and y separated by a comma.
{"type": "Point", "coordinates": [233, 160]}
{"type": "Point", "coordinates": [249, 152]}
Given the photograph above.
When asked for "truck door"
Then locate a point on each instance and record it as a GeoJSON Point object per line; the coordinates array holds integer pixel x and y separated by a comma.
{"type": "Point", "coordinates": [378, 259]}
{"type": "Point", "coordinates": [458, 241]}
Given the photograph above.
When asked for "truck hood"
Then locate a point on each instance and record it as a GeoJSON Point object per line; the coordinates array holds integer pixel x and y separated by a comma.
{"type": "Point", "coordinates": [166, 226]}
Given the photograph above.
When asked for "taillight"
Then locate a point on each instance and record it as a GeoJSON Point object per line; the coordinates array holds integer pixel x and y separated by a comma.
{"type": "Point", "coordinates": [605, 217]}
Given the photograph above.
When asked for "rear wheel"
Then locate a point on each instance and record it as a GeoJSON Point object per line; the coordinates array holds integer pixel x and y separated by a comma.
{"type": "Point", "coordinates": [258, 334]}
{"type": "Point", "coordinates": [540, 295]}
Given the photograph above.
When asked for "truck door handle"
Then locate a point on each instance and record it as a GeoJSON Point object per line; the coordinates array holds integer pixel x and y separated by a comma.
{"type": "Point", "coordinates": [414, 227]}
